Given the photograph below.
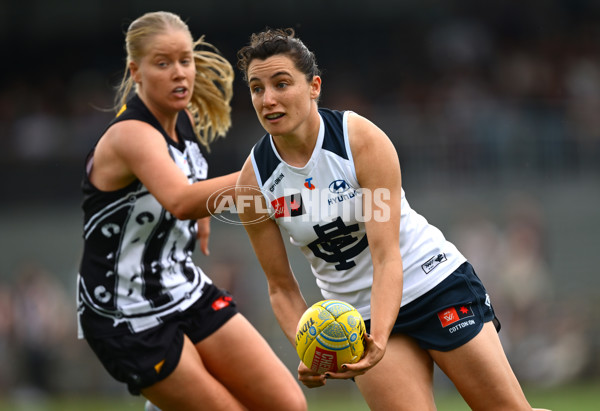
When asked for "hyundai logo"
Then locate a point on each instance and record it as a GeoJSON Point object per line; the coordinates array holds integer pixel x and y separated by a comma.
{"type": "Point", "coordinates": [339, 186]}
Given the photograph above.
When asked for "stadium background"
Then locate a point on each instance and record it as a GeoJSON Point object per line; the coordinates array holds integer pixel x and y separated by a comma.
{"type": "Point", "coordinates": [493, 107]}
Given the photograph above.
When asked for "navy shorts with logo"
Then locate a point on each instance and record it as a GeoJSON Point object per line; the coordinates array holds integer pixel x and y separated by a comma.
{"type": "Point", "coordinates": [144, 358]}
{"type": "Point", "coordinates": [449, 315]}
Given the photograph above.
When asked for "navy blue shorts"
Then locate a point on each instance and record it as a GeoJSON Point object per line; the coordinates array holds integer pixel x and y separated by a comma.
{"type": "Point", "coordinates": [144, 358]}
{"type": "Point", "coordinates": [449, 315]}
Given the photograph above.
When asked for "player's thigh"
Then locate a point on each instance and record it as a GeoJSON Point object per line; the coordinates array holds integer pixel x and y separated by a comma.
{"type": "Point", "coordinates": [402, 380]}
{"type": "Point", "coordinates": [482, 374]}
{"type": "Point", "coordinates": [191, 387]}
{"type": "Point", "coordinates": [245, 363]}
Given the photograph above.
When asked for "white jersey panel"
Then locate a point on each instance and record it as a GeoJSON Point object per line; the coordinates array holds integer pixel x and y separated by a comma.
{"type": "Point", "coordinates": [320, 206]}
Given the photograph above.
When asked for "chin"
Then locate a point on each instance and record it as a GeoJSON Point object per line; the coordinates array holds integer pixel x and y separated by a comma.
{"type": "Point", "coordinates": [274, 130]}
{"type": "Point", "coordinates": [180, 105]}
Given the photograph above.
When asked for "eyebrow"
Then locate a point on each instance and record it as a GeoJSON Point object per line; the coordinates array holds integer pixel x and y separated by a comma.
{"type": "Point", "coordinates": [279, 73]}
{"type": "Point", "coordinates": [162, 53]}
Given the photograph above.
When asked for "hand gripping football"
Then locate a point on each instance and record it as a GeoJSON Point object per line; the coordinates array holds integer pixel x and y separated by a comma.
{"type": "Point", "coordinates": [330, 333]}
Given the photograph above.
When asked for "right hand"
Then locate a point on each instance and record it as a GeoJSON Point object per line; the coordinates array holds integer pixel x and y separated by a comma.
{"type": "Point", "coordinates": [310, 378]}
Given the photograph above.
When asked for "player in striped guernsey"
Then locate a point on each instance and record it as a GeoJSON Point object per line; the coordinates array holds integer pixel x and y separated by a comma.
{"type": "Point", "coordinates": [154, 319]}
{"type": "Point", "coordinates": [331, 180]}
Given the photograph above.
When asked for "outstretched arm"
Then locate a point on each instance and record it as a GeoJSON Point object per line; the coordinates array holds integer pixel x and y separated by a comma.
{"type": "Point", "coordinates": [284, 293]}
{"type": "Point", "coordinates": [286, 298]}
{"type": "Point", "coordinates": [132, 150]}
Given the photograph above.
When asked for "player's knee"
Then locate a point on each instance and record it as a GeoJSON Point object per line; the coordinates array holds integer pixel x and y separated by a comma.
{"type": "Point", "coordinates": [299, 403]}
{"type": "Point", "coordinates": [293, 401]}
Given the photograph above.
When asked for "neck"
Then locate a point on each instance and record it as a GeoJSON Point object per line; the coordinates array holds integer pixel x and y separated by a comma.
{"type": "Point", "coordinates": [296, 148]}
{"type": "Point", "coordinates": [167, 120]}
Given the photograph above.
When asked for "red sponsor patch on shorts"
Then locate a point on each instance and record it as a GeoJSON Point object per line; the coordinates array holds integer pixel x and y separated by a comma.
{"type": "Point", "coordinates": [221, 303]}
{"type": "Point", "coordinates": [453, 314]}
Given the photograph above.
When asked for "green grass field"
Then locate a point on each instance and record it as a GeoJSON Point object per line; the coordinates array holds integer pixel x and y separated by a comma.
{"type": "Point", "coordinates": [580, 397]}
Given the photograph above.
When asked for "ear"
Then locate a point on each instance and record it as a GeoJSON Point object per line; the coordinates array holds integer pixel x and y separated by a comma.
{"type": "Point", "coordinates": [315, 87]}
{"type": "Point", "coordinates": [135, 72]}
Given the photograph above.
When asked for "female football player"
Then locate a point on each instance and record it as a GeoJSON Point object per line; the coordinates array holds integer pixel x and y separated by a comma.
{"type": "Point", "coordinates": [154, 319]}
{"type": "Point", "coordinates": [331, 180]}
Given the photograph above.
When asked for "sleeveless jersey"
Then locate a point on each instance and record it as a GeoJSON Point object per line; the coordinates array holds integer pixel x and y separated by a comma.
{"type": "Point", "coordinates": [320, 206]}
{"type": "Point", "coordinates": [137, 268]}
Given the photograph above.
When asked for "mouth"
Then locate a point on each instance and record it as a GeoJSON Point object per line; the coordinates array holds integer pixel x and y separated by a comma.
{"type": "Point", "coordinates": [180, 91]}
{"type": "Point", "coordinates": [274, 116]}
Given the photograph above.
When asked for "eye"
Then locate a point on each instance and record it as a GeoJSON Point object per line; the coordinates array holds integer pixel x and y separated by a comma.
{"type": "Point", "coordinates": [255, 89]}
{"type": "Point", "coordinates": [282, 85]}
{"type": "Point", "coordinates": [186, 61]}
{"type": "Point", "coordinates": [162, 64]}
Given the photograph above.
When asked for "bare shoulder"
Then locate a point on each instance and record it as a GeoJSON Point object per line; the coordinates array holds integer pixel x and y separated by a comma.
{"type": "Point", "coordinates": [124, 151]}
{"type": "Point", "coordinates": [130, 132]}
{"type": "Point", "coordinates": [366, 137]}
{"type": "Point", "coordinates": [247, 176]}
{"type": "Point", "coordinates": [375, 157]}
{"type": "Point", "coordinates": [250, 201]}
{"type": "Point", "coordinates": [362, 132]}
{"type": "Point", "coordinates": [131, 140]}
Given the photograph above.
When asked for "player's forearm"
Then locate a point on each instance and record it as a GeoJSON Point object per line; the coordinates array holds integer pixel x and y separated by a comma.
{"type": "Point", "coordinates": [201, 199]}
{"type": "Point", "coordinates": [386, 297]}
{"type": "Point", "coordinates": [288, 308]}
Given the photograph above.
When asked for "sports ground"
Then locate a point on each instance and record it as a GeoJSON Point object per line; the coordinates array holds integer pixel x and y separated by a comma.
{"type": "Point", "coordinates": [584, 396]}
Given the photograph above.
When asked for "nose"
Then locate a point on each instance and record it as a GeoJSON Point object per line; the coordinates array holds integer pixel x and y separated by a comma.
{"type": "Point", "coordinates": [178, 70]}
{"type": "Point", "coordinates": [268, 97]}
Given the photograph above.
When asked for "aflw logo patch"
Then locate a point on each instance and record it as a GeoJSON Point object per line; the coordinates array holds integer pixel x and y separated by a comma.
{"type": "Point", "coordinates": [288, 206]}
{"type": "Point", "coordinates": [433, 262]}
{"type": "Point", "coordinates": [454, 314]}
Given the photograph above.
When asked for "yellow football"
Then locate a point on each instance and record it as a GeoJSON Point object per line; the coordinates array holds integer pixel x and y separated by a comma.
{"type": "Point", "coordinates": [330, 333]}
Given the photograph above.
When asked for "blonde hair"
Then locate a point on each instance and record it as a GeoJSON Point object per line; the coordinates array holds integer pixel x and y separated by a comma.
{"type": "Point", "coordinates": [209, 104]}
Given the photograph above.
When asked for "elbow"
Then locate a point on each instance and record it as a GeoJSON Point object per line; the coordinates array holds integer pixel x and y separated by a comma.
{"type": "Point", "coordinates": [283, 288]}
{"type": "Point", "coordinates": [181, 213]}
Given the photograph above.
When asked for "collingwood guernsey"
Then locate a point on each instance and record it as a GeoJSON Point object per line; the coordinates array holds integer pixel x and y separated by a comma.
{"type": "Point", "coordinates": [137, 266]}
{"type": "Point", "coordinates": [320, 206]}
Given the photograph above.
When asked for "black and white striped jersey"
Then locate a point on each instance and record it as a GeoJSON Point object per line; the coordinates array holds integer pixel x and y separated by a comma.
{"type": "Point", "coordinates": [137, 266]}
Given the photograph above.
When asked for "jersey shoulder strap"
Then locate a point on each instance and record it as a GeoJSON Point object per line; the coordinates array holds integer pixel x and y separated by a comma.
{"type": "Point", "coordinates": [264, 159]}
{"type": "Point", "coordinates": [333, 140]}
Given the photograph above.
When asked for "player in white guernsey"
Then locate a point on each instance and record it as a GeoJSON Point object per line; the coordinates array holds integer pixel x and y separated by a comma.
{"type": "Point", "coordinates": [331, 181]}
{"type": "Point", "coordinates": [154, 319]}
{"type": "Point", "coordinates": [320, 206]}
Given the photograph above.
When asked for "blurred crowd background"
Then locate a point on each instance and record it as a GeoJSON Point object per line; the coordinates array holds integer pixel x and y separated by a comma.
{"type": "Point", "coordinates": [494, 108]}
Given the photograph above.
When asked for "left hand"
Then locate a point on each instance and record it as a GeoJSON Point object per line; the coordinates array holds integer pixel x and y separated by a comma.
{"type": "Point", "coordinates": [203, 234]}
{"type": "Point", "coordinates": [373, 354]}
